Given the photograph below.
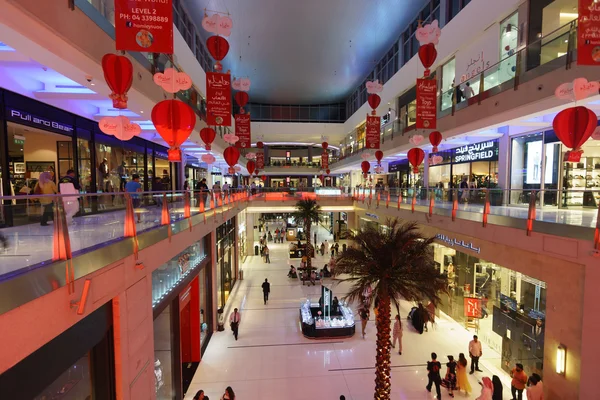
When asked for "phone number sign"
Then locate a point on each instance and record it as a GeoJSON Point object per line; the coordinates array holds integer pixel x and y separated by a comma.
{"type": "Point", "coordinates": [144, 25]}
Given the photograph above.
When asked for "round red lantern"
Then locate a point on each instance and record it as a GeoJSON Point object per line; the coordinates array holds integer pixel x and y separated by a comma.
{"type": "Point", "coordinates": [574, 126]}
{"type": "Point", "coordinates": [435, 138]}
{"type": "Point", "coordinates": [264, 178]}
{"type": "Point", "coordinates": [427, 55]}
{"type": "Point", "coordinates": [379, 156]}
{"type": "Point", "coordinates": [365, 166]}
{"type": "Point", "coordinates": [118, 73]}
{"type": "Point", "coordinates": [325, 145]}
{"type": "Point", "coordinates": [218, 47]}
{"type": "Point", "coordinates": [174, 121]}
{"type": "Point", "coordinates": [231, 155]}
{"type": "Point", "coordinates": [328, 171]}
{"type": "Point", "coordinates": [208, 136]}
{"type": "Point", "coordinates": [242, 99]}
{"type": "Point", "coordinates": [415, 158]}
{"type": "Point", "coordinates": [250, 166]}
{"type": "Point", "coordinates": [260, 145]}
{"type": "Point", "coordinates": [374, 101]}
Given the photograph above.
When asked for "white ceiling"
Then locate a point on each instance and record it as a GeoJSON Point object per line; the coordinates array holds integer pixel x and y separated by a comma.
{"type": "Point", "coordinates": [308, 51]}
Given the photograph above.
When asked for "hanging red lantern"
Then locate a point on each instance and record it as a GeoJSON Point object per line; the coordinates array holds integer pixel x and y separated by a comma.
{"type": "Point", "coordinates": [379, 156]}
{"type": "Point", "coordinates": [264, 178]}
{"type": "Point", "coordinates": [242, 99]}
{"type": "Point", "coordinates": [435, 138]}
{"type": "Point", "coordinates": [231, 155]}
{"type": "Point", "coordinates": [365, 166]}
{"type": "Point", "coordinates": [574, 126]}
{"type": "Point", "coordinates": [218, 47]}
{"type": "Point", "coordinates": [328, 171]}
{"type": "Point", "coordinates": [174, 121]}
{"type": "Point", "coordinates": [250, 166]}
{"type": "Point", "coordinates": [416, 157]}
{"type": "Point", "coordinates": [427, 55]}
{"type": "Point", "coordinates": [260, 145]}
{"type": "Point", "coordinates": [256, 172]}
{"type": "Point", "coordinates": [325, 145]}
{"type": "Point", "coordinates": [174, 155]}
{"type": "Point", "coordinates": [118, 73]}
{"type": "Point", "coordinates": [374, 101]}
{"type": "Point", "coordinates": [208, 136]}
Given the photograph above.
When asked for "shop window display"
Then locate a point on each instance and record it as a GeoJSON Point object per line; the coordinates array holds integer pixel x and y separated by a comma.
{"type": "Point", "coordinates": [163, 356]}
{"type": "Point", "coordinates": [75, 383]}
{"type": "Point", "coordinates": [581, 180]}
{"type": "Point", "coordinates": [226, 262]}
{"type": "Point", "coordinates": [506, 309]}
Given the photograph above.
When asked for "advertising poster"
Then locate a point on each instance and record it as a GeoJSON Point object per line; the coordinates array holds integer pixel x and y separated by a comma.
{"type": "Point", "coordinates": [472, 307]}
{"type": "Point", "coordinates": [426, 104]}
{"type": "Point", "coordinates": [372, 133]}
{"type": "Point", "coordinates": [325, 160]}
{"type": "Point", "coordinates": [218, 99]}
{"type": "Point", "coordinates": [242, 130]}
{"type": "Point", "coordinates": [260, 160]}
{"type": "Point", "coordinates": [588, 33]}
{"type": "Point", "coordinates": [142, 25]}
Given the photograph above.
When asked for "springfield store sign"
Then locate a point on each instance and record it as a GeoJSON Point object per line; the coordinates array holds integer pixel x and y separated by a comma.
{"type": "Point", "coordinates": [486, 151]}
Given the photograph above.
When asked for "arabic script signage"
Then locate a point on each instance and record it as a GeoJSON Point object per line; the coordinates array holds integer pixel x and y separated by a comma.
{"type": "Point", "coordinates": [218, 99]}
{"type": "Point", "coordinates": [426, 103]}
{"type": "Point", "coordinates": [588, 33]}
{"type": "Point", "coordinates": [453, 242]}
{"type": "Point", "coordinates": [242, 130]}
{"type": "Point", "coordinates": [324, 160]}
{"type": "Point", "coordinates": [373, 129]}
{"type": "Point", "coordinates": [144, 25]}
{"type": "Point", "coordinates": [260, 160]}
{"type": "Point", "coordinates": [482, 54]}
{"type": "Point", "coordinates": [485, 151]}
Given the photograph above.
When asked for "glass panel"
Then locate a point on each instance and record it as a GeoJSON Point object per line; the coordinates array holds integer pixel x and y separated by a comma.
{"type": "Point", "coordinates": [448, 76]}
{"type": "Point", "coordinates": [85, 165]}
{"type": "Point", "coordinates": [163, 356]}
{"type": "Point", "coordinates": [75, 383]}
{"type": "Point", "coordinates": [526, 167]}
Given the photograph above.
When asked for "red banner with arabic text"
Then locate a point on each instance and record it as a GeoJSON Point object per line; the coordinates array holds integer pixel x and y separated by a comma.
{"type": "Point", "coordinates": [260, 160]}
{"type": "Point", "coordinates": [426, 104]}
{"type": "Point", "coordinates": [218, 99]}
{"type": "Point", "coordinates": [242, 130]}
{"type": "Point", "coordinates": [325, 160]}
{"type": "Point", "coordinates": [588, 33]}
{"type": "Point", "coordinates": [141, 25]}
{"type": "Point", "coordinates": [372, 132]}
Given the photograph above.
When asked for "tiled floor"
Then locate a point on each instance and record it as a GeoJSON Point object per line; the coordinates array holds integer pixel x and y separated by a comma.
{"type": "Point", "coordinates": [272, 360]}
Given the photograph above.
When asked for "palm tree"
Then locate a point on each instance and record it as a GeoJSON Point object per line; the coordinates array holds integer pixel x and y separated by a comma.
{"type": "Point", "coordinates": [395, 264]}
{"type": "Point", "coordinates": [307, 212]}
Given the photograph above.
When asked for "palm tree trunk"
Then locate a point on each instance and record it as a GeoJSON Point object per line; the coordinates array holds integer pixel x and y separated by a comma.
{"type": "Point", "coordinates": [309, 248]}
{"type": "Point", "coordinates": [382, 365]}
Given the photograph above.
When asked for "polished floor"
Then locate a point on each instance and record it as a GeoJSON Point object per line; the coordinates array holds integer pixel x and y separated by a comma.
{"type": "Point", "coordinates": [272, 360]}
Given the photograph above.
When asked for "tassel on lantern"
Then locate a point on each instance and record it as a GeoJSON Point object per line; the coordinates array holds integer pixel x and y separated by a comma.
{"type": "Point", "coordinates": [130, 230]}
{"type": "Point", "coordinates": [61, 250]}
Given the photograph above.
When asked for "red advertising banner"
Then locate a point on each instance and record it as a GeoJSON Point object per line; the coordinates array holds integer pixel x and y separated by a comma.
{"type": "Point", "coordinates": [325, 160]}
{"type": "Point", "coordinates": [260, 160]}
{"type": "Point", "coordinates": [373, 130]}
{"type": "Point", "coordinates": [588, 33]}
{"type": "Point", "coordinates": [472, 307]}
{"type": "Point", "coordinates": [142, 25]}
{"type": "Point", "coordinates": [218, 99]}
{"type": "Point", "coordinates": [426, 104]}
{"type": "Point", "coordinates": [242, 130]}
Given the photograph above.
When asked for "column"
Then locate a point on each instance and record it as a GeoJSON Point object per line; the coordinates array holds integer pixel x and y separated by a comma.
{"type": "Point", "coordinates": [249, 233]}
{"type": "Point", "coordinates": [504, 166]}
{"type": "Point", "coordinates": [310, 151]}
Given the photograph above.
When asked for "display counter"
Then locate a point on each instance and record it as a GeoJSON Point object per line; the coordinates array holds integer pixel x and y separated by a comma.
{"type": "Point", "coordinates": [297, 251]}
{"type": "Point", "coordinates": [340, 324]}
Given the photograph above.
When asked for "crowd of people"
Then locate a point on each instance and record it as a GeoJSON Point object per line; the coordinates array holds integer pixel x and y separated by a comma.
{"type": "Point", "coordinates": [228, 395]}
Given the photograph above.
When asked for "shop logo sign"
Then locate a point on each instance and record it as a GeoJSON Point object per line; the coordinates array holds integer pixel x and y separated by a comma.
{"type": "Point", "coordinates": [32, 119]}
{"type": "Point", "coordinates": [476, 152]}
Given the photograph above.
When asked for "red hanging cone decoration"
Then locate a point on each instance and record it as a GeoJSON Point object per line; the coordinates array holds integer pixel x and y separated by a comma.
{"type": "Point", "coordinates": [242, 99]}
{"type": "Point", "coordinates": [435, 138]}
{"type": "Point", "coordinates": [260, 145]}
{"type": "Point", "coordinates": [264, 178]}
{"type": "Point", "coordinates": [374, 101]}
{"type": "Point", "coordinates": [187, 210]}
{"type": "Point", "coordinates": [130, 230]}
{"type": "Point", "coordinates": [165, 218]}
{"type": "Point", "coordinates": [328, 171]}
{"type": "Point", "coordinates": [365, 166]}
{"type": "Point", "coordinates": [174, 154]}
{"type": "Point", "coordinates": [325, 145]}
{"type": "Point", "coordinates": [231, 155]}
{"type": "Point", "coordinates": [118, 73]}
{"type": "Point", "coordinates": [208, 136]}
{"type": "Point", "coordinates": [250, 166]}
{"type": "Point", "coordinates": [174, 122]}
{"type": "Point", "coordinates": [416, 157]}
{"type": "Point", "coordinates": [379, 156]}
{"type": "Point", "coordinates": [427, 55]}
{"type": "Point", "coordinates": [218, 47]}
{"type": "Point", "coordinates": [574, 126]}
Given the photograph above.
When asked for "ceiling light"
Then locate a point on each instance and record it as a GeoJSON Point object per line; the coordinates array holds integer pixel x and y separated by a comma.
{"type": "Point", "coordinates": [92, 84]}
{"type": "Point", "coordinates": [142, 111]}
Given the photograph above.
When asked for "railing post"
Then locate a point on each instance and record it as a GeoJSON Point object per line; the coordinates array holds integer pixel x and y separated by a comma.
{"type": "Point", "coordinates": [531, 212]}
{"type": "Point", "coordinates": [481, 88]}
{"type": "Point", "coordinates": [519, 61]}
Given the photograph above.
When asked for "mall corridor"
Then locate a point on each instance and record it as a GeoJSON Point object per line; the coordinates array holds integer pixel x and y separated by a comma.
{"type": "Point", "coordinates": [272, 359]}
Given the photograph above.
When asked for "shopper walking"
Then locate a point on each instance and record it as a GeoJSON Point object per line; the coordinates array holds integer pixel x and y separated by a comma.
{"type": "Point", "coordinates": [475, 351]}
{"type": "Point", "coordinates": [228, 395]}
{"type": "Point", "coordinates": [433, 374]}
{"type": "Point", "coordinates": [535, 391]}
{"type": "Point", "coordinates": [199, 395]}
{"type": "Point", "coordinates": [266, 288]}
{"type": "Point", "coordinates": [234, 321]}
{"type": "Point", "coordinates": [45, 185]}
{"type": "Point", "coordinates": [133, 187]}
{"type": "Point", "coordinates": [266, 254]}
{"type": "Point", "coordinates": [397, 334]}
{"type": "Point", "coordinates": [364, 317]}
{"type": "Point", "coordinates": [462, 380]}
{"type": "Point", "coordinates": [519, 380]}
{"type": "Point", "coordinates": [449, 381]}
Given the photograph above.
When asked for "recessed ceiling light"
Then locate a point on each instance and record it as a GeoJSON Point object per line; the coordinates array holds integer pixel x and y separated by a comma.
{"type": "Point", "coordinates": [93, 84]}
{"type": "Point", "coordinates": [142, 112]}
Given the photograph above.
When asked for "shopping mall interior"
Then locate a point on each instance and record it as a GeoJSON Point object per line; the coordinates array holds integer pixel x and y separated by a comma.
{"type": "Point", "coordinates": [157, 158]}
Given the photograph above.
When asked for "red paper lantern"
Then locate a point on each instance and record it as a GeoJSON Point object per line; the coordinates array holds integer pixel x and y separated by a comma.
{"type": "Point", "coordinates": [264, 178]}
{"type": "Point", "coordinates": [208, 136]}
{"type": "Point", "coordinates": [231, 155]}
{"type": "Point", "coordinates": [322, 178]}
{"type": "Point", "coordinates": [325, 145]}
{"type": "Point", "coordinates": [365, 166]}
{"type": "Point", "coordinates": [374, 101]}
{"type": "Point", "coordinates": [174, 154]}
{"type": "Point", "coordinates": [174, 121]}
{"type": "Point", "coordinates": [574, 126]}
{"type": "Point", "coordinates": [218, 47]}
{"type": "Point", "coordinates": [250, 166]}
{"type": "Point", "coordinates": [415, 158]}
{"type": "Point", "coordinates": [241, 98]}
{"type": "Point", "coordinates": [260, 145]}
{"type": "Point", "coordinates": [379, 155]}
{"type": "Point", "coordinates": [427, 55]}
{"type": "Point", "coordinates": [256, 172]}
{"type": "Point", "coordinates": [118, 73]}
{"type": "Point", "coordinates": [435, 138]}
{"type": "Point", "coordinates": [328, 171]}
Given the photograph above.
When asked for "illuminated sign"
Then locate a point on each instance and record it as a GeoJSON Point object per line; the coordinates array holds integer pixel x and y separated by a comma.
{"type": "Point", "coordinates": [43, 123]}
{"type": "Point", "coordinates": [486, 151]}
{"type": "Point", "coordinates": [457, 243]}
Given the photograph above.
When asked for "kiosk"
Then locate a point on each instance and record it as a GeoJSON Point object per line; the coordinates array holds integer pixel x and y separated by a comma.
{"type": "Point", "coordinates": [323, 321]}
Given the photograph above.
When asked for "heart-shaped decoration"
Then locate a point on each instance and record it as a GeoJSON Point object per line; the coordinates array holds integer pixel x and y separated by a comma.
{"type": "Point", "coordinates": [582, 88]}
{"type": "Point", "coordinates": [436, 160]}
{"type": "Point", "coordinates": [429, 33]}
{"type": "Point", "coordinates": [208, 158]}
{"type": "Point", "coordinates": [219, 25]}
{"type": "Point", "coordinates": [374, 86]}
{"type": "Point", "coordinates": [173, 81]}
{"type": "Point", "coordinates": [416, 139]}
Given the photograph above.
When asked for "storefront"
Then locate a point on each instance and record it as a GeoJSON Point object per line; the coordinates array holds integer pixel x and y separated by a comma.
{"type": "Point", "coordinates": [194, 173]}
{"type": "Point", "coordinates": [399, 174]}
{"type": "Point", "coordinates": [476, 164]}
{"type": "Point", "coordinates": [506, 309]}
{"type": "Point", "coordinates": [226, 261]}
{"type": "Point", "coordinates": [241, 237]}
{"type": "Point", "coordinates": [77, 364]}
{"type": "Point", "coordinates": [36, 138]}
{"type": "Point", "coordinates": [182, 309]}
